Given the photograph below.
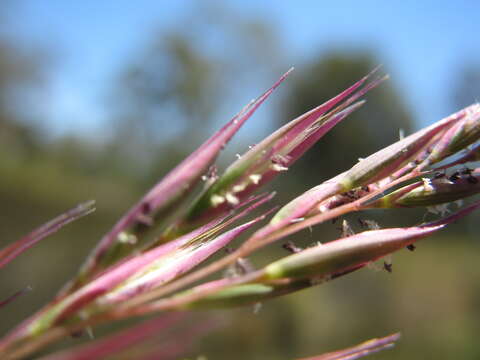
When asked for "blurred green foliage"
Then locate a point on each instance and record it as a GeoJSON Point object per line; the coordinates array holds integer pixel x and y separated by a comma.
{"type": "Point", "coordinates": [169, 96]}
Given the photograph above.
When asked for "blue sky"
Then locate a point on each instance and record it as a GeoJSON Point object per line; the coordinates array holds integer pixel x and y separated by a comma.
{"type": "Point", "coordinates": [420, 44]}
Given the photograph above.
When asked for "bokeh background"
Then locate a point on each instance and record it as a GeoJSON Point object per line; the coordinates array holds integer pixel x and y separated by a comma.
{"type": "Point", "coordinates": [99, 99]}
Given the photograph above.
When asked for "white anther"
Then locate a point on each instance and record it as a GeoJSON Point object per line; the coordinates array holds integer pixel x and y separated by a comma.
{"type": "Point", "coordinates": [238, 188]}
{"type": "Point", "coordinates": [255, 178]}
{"type": "Point", "coordinates": [232, 199]}
{"type": "Point", "coordinates": [217, 200]}
{"type": "Point", "coordinates": [278, 167]}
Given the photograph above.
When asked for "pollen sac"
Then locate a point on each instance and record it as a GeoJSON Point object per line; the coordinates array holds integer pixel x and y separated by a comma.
{"type": "Point", "coordinates": [346, 229]}
{"type": "Point", "coordinates": [217, 200]}
{"type": "Point", "coordinates": [239, 187]}
{"type": "Point", "coordinates": [126, 238]}
{"type": "Point", "coordinates": [278, 167]}
{"type": "Point", "coordinates": [255, 178]}
{"type": "Point", "coordinates": [232, 199]}
{"type": "Point", "coordinates": [280, 162]}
